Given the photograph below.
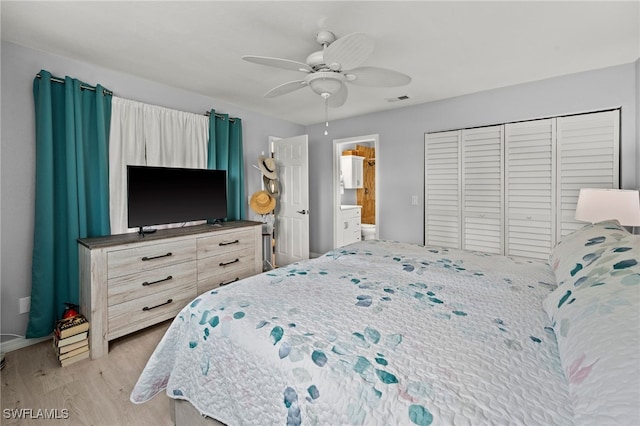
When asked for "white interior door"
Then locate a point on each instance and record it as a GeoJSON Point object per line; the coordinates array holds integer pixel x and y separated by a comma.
{"type": "Point", "coordinates": [588, 157]}
{"type": "Point", "coordinates": [482, 189]}
{"type": "Point", "coordinates": [530, 181]}
{"type": "Point", "coordinates": [442, 189]}
{"type": "Point", "coordinates": [292, 211]}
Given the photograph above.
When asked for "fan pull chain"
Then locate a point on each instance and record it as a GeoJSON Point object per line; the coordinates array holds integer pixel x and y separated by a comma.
{"type": "Point", "coordinates": [326, 115]}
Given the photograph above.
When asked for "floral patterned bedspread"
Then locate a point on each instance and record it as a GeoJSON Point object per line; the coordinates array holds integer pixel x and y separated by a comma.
{"type": "Point", "coordinates": [378, 332]}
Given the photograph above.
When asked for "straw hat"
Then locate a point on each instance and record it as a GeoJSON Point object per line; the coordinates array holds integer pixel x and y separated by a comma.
{"type": "Point", "coordinates": [268, 166]}
{"type": "Point", "coordinates": [262, 202]}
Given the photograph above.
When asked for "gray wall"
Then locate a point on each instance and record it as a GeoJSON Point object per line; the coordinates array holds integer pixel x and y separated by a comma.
{"type": "Point", "coordinates": [637, 124]}
{"type": "Point", "coordinates": [400, 155]}
{"type": "Point", "coordinates": [19, 67]}
{"type": "Point", "coordinates": [399, 158]}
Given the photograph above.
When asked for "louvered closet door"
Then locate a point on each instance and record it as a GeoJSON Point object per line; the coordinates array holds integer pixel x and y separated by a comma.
{"type": "Point", "coordinates": [482, 193]}
{"type": "Point", "coordinates": [442, 189]}
{"type": "Point", "coordinates": [588, 157]}
{"type": "Point", "coordinates": [530, 188]}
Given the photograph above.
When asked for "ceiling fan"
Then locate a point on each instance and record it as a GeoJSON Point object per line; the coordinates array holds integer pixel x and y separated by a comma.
{"type": "Point", "coordinates": [328, 70]}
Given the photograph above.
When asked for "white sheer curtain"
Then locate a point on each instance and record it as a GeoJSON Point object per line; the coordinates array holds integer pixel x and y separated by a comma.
{"type": "Point", "coordinates": [143, 134]}
{"type": "Point", "coordinates": [175, 138]}
{"type": "Point", "coordinates": [126, 146]}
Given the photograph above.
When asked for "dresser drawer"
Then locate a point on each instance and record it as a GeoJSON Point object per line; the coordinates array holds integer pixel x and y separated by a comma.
{"type": "Point", "coordinates": [140, 284]}
{"type": "Point", "coordinates": [217, 277]}
{"type": "Point", "coordinates": [226, 243]}
{"type": "Point", "coordinates": [217, 265]}
{"type": "Point", "coordinates": [142, 312]}
{"type": "Point", "coordinates": [143, 258]}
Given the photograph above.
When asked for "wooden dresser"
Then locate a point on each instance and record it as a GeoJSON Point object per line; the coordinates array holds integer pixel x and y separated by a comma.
{"type": "Point", "coordinates": [129, 282]}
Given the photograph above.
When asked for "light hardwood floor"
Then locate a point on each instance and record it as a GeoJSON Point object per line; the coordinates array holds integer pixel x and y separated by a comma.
{"type": "Point", "coordinates": [94, 392]}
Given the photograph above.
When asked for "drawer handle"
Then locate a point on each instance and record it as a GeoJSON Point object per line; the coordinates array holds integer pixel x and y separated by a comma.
{"type": "Point", "coordinates": [229, 263]}
{"type": "Point", "coordinates": [144, 259]}
{"type": "Point", "coordinates": [229, 243]}
{"type": "Point", "coordinates": [156, 282]}
{"type": "Point", "coordinates": [146, 308]}
{"type": "Point", "coordinates": [229, 282]}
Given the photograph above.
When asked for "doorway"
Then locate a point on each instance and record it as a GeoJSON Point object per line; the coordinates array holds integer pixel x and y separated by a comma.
{"type": "Point", "coordinates": [364, 198]}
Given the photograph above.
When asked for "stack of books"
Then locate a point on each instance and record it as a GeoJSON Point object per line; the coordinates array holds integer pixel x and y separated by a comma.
{"type": "Point", "coordinates": [71, 339]}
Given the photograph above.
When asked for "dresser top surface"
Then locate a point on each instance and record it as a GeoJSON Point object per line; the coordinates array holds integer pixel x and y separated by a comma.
{"type": "Point", "coordinates": [134, 237]}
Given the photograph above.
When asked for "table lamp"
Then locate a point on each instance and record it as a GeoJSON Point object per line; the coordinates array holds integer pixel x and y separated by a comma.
{"type": "Point", "coordinates": [595, 205]}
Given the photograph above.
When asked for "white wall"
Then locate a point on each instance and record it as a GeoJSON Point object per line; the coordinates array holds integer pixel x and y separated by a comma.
{"type": "Point", "coordinates": [400, 156]}
{"type": "Point", "coordinates": [19, 67]}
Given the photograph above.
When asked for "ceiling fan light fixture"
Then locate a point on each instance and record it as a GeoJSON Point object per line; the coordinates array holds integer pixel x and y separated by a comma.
{"type": "Point", "coordinates": [325, 82]}
{"type": "Point", "coordinates": [330, 69]}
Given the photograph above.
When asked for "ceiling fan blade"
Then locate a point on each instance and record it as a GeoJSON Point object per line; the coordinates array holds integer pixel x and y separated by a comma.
{"type": "Point", "coordinates": [285, 88]}
{"type": "Point", "coordinates": [339, 98]}
{"type": "Point", "coordinates": [374, 76]}
{"type": "Point", "coordinates": [286, 64]}
{"type": "Point", "coordinates": [348, 52]}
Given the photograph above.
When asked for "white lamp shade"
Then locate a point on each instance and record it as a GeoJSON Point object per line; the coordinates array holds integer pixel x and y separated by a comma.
{"type": "Point", "coordinates": [596, 205]}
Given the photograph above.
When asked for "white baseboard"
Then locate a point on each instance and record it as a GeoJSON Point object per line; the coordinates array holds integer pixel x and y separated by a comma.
{"type": "Point", "coordinates": [20, 342]}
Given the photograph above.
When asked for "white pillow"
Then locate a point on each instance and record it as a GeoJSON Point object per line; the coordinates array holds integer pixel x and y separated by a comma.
{"type": "Point", "coordinates": [595, 313]}
{"type": "Point", "coordinates": [579, 250]}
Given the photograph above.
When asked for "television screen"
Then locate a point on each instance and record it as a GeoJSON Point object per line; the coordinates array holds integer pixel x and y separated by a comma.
{"type": "Point", "coordinates": [161, 195]}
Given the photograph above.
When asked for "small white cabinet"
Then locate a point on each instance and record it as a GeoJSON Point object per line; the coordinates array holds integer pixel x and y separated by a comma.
{"type": "Point", "coordinates": [350, 225]}
{"type": "Point", "coordinates": [352, 175]}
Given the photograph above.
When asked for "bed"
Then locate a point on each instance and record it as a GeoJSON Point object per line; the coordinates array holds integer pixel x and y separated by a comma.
{"type": "Point", "coordinates": [391, 333]}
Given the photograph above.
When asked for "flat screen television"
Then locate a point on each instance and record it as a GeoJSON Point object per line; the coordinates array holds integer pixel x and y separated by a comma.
{"type": "Point", "coordinates": [163, 195]}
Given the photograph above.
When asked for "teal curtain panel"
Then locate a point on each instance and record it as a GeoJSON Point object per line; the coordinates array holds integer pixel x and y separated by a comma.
{"type": "Point", "coordinates": [225, 153]}
{"type": "Point", "coordinates": [72, 190]}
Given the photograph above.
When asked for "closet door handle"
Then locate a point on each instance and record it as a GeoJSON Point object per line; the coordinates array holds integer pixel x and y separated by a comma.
{"type": "Point", "coordinates": [146, 258]}
{"type": "Point", "coordinates": [146, 283]}
{"type": "Point", "coordinates": [229, 243]}
{"type": "Point", "coordinates": [302, 211]}
{"type": "Point", "coordinates": [146, 308]}
{"type": "Point", "coordinates": [229, 263]}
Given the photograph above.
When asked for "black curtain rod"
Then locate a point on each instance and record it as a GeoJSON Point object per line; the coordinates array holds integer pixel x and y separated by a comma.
{"type": "Point", "coordinates": [108, 92]}
{"type": "Point", "coordinates": [82, 86]}
{"type": "Point", "coordinates": [231, 119]}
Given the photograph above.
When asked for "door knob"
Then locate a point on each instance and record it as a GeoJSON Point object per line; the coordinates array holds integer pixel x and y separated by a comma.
{"type": "Point", "coordinates": [303, 211]}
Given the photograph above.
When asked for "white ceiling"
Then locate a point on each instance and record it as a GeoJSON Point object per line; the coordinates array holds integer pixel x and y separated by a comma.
{"type": "Point", "coordinates": [449, 48]}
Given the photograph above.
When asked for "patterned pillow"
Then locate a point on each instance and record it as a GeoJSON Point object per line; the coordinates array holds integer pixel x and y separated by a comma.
{"type": "Point", "coordinates": [595, 313]}
{"type": "Point", "coordinates": [572, 257]}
